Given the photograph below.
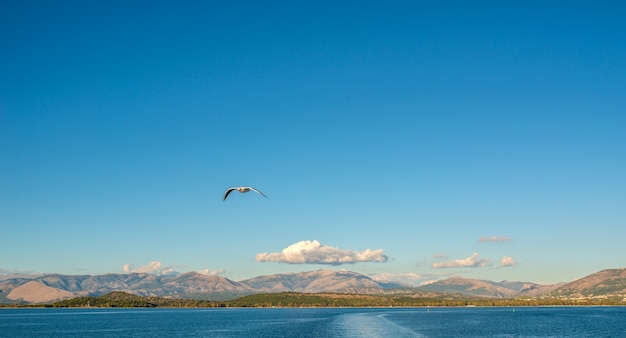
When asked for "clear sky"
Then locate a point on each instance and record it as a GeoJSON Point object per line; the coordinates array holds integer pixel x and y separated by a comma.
{"type": "Point", "coordinates": [403, 140]}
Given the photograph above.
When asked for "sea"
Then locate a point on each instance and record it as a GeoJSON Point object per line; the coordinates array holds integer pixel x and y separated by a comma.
{"type": "Point", "coordinates": [316, 322]}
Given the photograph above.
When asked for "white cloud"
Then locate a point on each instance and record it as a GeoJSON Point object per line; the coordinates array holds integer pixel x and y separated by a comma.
{"type": "Point", "coordinates": [212, 272]}
{"type": "Point", "coordinates": [507, 261]}
{"type": "Point", "coordinates": [154, 268]}
{"type": "Point", "coordinates": [470, 262]}
{"type": "Point", "coordinates": [313, 252]}
{"type": "Point", "coordinates": [407, 279]}
{"type": "Point", "coordinates": [168, 271]}
{"type": "Point", "coordinates": [494, 239]}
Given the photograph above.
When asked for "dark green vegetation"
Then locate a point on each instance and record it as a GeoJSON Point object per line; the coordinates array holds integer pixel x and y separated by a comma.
{"type": "Point", "coordinates": [294, 299]}
{"type": "Point", "coordinates": [123, 299]}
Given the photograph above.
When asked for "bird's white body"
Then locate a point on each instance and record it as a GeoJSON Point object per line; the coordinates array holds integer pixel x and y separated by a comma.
{"type": "Point", "coordinates": [242, 190]}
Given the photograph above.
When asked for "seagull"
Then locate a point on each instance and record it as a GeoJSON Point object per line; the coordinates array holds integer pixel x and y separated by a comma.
{"type": "Point", "coordinates": [242, 190]}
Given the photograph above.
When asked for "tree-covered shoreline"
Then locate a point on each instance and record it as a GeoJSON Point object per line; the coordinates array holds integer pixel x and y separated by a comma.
{"type": "Point", "coordinates": [120, 299]}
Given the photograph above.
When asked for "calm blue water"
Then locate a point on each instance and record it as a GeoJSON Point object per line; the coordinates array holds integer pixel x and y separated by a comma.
{"type": "Point", "coordinates": [393, 322]}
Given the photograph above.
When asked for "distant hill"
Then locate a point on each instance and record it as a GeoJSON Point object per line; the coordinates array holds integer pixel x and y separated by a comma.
{"type": "Point", "coordinates": [189, 285]}
{"type": "Point", "coordinates": [472, 287]}
{"type": "Point", "coordinates": [315, 281]}
{"type": "Point", "coordinates": [38, 292]}
{"type": "Point", "coordinates": [606, 284]}
{"type": "Point", "coordinates": [610, 283]}
{"type": "Point", "coordinates": [484, 288]}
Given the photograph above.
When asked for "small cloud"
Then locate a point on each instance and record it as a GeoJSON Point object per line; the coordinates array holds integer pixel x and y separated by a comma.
{"type": "Point", "coordinates": [154, 268]}
{"type": "Point", "coordinates": [430, 282]}
{"type": "Point", "coordinates": [168, 271]}
{"type": "Point", "coordinates": [407, 279]}
{"type": "Point", "coordinates": [507, 261]}
{"type": "Point", "coordinates": [470, 262]}
{"type": "Point", "coordinates": [313, 252]}
{"type": "Point", "coordinates": [440, 256]}
{"type": "Point", "coordinates": [494, 239]}
{"type": "Point", "coordinates": [212, 272]}
{"type": "Point", "coordinates": [150, 268]}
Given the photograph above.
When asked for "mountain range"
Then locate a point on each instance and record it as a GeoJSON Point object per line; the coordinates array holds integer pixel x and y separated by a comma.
{"type": "Point", "coordinates": [609, 283]}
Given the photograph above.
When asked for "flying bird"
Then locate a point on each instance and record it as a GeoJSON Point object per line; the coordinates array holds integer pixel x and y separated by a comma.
{"type": "Point", "coordinates": [242, 190]}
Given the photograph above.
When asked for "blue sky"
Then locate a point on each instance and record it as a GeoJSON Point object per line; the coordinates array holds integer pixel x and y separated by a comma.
{"type": "Point", "coordinates": [407, 141]}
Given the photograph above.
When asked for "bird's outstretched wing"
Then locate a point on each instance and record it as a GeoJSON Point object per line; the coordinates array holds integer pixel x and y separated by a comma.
{"type": "Point", "coordinates": [258, 192]}
{"type": "Point", "coordinates": [228, 192]}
